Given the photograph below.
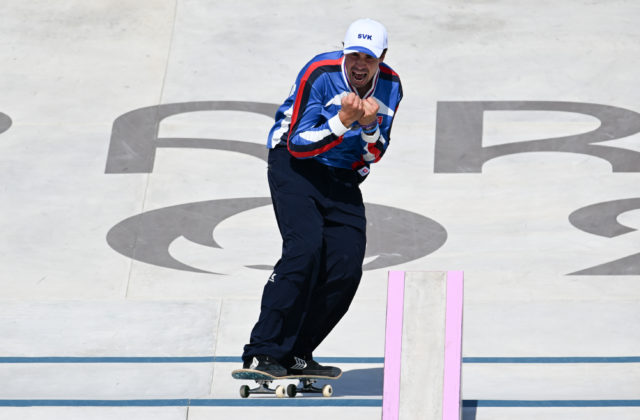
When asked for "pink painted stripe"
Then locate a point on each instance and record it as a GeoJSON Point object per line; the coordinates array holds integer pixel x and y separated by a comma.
{"type": "Point", "coordinates": [393, 346]}
{"type": "Point", "coordinates": [453, 346]}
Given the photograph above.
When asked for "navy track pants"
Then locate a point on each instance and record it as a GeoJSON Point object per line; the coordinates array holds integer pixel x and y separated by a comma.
{"type": "Point", "coordinates": [321, 218]}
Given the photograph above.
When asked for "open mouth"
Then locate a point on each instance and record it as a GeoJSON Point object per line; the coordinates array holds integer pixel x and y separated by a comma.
{"type": "Point", "coordinates": [359, 76]}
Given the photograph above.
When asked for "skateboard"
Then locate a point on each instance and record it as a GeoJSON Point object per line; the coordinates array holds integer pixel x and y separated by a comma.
{"type": "Point", "coordinates": [263, 380]}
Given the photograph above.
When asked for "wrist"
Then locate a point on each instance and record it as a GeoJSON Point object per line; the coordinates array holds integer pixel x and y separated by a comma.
{"type": "Point", "coordinates": [336, 125]}
{"type": "Point", "coordinates": [371, 138]}
{"type": "Point", "coordinates": [370, 129]}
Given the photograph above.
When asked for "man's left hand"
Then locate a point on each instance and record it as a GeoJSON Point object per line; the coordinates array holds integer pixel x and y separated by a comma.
{"type": "Point", "coordinates": [370, 111]}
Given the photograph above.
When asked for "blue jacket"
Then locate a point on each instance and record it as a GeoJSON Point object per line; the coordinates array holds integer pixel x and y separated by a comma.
{"type": "Point", "coordinates": [308, 124]}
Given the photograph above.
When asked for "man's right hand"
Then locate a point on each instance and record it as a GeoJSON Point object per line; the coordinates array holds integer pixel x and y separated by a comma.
{"type": "Point", "coordinates": [352, 109]}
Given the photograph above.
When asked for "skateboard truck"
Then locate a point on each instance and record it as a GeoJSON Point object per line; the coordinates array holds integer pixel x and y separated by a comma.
{"type": "Point", "coordinates": [262, 388]}
{"type": "Point", "coordinates": [305, 386]}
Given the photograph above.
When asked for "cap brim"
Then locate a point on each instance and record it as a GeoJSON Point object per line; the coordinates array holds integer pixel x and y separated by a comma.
{"type": "Point", "coordinates": [356, 48]}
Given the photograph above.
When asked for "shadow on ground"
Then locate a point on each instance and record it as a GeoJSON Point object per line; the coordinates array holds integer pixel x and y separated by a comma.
{"type": "Point", "coordinates": [369, 382]}
{"type": "Point", "coordinates": [360, 382]}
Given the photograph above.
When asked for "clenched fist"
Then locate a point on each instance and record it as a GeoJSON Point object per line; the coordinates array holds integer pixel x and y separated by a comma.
{"type": "Point", "coordinates": [352, 110]}
{"type": "Point", "coordinates": [370, 107]}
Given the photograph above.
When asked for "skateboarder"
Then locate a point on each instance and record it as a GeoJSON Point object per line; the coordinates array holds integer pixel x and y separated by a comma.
{"type": "Point", "coordinates": [335, 123]}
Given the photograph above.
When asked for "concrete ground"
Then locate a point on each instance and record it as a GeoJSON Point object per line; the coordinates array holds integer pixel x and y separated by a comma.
{"type": "Point", "coordinates": [137, 232]}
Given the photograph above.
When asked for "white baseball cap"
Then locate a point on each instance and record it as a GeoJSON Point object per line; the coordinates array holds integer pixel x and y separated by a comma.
{"type": "Point", "coordinates": [367, 36]}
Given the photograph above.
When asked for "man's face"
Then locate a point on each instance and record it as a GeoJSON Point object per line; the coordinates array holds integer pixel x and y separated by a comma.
{"type": "Point", "coordinates": [361, 68]}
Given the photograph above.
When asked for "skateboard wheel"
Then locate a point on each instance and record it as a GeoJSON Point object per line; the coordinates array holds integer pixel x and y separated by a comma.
{"type": "Point", "coordinates": [244, 391]}
{"type": "Point", "coordinates": [280, 392]}
{"type": "Point", "coordinates": [327, 391]}
{"type": "Point", "coordinates": [292, 390]}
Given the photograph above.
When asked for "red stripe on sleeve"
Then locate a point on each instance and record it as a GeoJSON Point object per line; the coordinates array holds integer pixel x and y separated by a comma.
{"type": "Point", "coordinates": [374, 151]}
{"type": "Point", "coordinates": [388, 70]}
{"type": "Point", "coordinates": [315, 152]}
{"type": "Point", "coordinates": [301, 88]}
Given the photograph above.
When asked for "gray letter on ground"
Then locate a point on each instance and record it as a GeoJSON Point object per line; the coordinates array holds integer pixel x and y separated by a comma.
{"type": "Point", "coordinates": [459, 149]}
{"type": "Point", "coordinates": [134, 137]}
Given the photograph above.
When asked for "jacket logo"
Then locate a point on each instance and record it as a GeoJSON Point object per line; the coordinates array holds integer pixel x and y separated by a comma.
{"type": "Point", "coordinates": [365, 36]}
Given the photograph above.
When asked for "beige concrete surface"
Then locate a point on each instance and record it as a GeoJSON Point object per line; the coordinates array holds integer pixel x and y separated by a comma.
{"type": "Point", "coordinates": [519, 228]}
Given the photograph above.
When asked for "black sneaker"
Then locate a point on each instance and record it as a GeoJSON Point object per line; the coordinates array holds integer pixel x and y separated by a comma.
{"type": "Point", "coordinates": [265, 364]}
{"type": "Point", "coordinates": [310, 367]}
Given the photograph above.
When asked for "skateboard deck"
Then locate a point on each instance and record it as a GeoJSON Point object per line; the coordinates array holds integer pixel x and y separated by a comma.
{"type": "Point", "coordinates": [264, 380]}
